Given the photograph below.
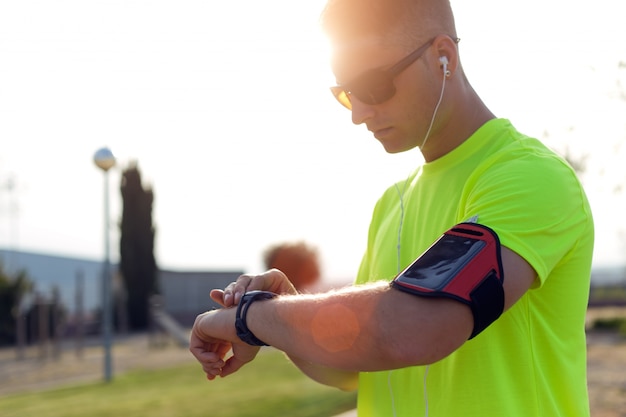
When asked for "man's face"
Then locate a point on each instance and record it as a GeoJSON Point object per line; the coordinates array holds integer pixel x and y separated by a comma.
{"type": "Point", "coordinates": [401, 121]}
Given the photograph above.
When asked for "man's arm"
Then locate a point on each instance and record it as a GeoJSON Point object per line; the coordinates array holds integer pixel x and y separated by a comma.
{"type": "Point", "coordinates": [277, 282]}
{"type": "Point", "coordinates": [362, 328]}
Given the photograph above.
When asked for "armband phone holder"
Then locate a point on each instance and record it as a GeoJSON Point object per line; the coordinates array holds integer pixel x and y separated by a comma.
{"type": "Point", "coordinates": [464, 264]}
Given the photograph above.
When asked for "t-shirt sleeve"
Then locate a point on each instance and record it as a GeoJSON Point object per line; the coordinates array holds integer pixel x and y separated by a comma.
{"type": "Point", "coordinates": [534, 202]}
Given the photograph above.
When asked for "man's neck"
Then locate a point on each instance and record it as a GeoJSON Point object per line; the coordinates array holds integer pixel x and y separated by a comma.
{"type": "Point", "coordinates": [465, 116]}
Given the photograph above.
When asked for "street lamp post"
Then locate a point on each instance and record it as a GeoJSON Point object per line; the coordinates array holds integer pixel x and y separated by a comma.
{"type": "Point", "coordinates": [105, 160]}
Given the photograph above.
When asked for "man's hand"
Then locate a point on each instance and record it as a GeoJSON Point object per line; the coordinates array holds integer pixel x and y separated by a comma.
{"type": "Point", "coordinates": [212, 336]}
{"type": "Point", "coordinates": [273, 280]}
{"type": "Point", "coordinates": [210, 352]}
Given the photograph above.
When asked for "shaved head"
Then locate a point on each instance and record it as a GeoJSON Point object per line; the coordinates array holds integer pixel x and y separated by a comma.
{"type": "Point", "coordinates": [403, 22]}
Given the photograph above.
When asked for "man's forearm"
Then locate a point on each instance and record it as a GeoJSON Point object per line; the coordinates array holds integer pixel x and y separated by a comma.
{"type": "Point", "coordinates": [366, 328]}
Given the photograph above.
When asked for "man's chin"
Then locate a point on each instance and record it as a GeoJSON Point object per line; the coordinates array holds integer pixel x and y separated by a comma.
{"type": "Point", "coordinates": [393, 148]}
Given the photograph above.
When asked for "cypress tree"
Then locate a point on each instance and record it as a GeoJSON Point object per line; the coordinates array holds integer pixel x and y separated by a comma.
{"type": "Point", "coordinates": [137, 263]}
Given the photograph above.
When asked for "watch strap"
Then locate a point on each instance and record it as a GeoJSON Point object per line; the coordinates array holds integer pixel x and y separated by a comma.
{"type": "Point", "coordinates": [241, 325]}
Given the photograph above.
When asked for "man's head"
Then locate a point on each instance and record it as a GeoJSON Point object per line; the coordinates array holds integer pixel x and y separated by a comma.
{"type": "Point", "coordinates": [390, 58]}
{"type": "Point", "coordinates": [397, 22]}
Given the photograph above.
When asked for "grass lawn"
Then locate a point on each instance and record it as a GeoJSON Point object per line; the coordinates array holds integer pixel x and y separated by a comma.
{"type": "Point", "coordinates": [269, 386]}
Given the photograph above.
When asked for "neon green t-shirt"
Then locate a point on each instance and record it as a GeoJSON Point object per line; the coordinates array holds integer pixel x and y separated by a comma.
{"type": "Point", "coordinates": [532, 360]}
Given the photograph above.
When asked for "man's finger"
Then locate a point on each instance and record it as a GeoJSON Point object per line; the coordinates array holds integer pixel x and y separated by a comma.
{"type": "Point", "coordinates": [218, 297]}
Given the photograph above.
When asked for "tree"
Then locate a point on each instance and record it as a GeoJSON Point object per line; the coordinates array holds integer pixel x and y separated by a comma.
{"type": "Point", "coordinates": [137, 263]}
{"type": "Point", "coordinates": [12, 289]}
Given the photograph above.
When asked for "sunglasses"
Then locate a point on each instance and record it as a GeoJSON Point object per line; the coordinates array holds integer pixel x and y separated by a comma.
{"type": "Point", "coordinates": [376, 86]}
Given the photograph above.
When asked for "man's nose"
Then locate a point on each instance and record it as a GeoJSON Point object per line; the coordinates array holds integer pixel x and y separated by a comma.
{"type": "Point", "coordinates": [361, 112]}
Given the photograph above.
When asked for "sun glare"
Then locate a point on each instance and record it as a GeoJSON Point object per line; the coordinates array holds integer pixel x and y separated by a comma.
{"type": "Point", "coordinates": [226, 107]}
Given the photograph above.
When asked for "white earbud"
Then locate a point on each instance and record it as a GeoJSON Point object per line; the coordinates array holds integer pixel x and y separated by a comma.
{"type": "Point", "coordinates": [444, 64]}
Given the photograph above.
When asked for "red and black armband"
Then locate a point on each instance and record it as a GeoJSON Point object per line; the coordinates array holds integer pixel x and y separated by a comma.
{"type": "Point", "coordinates": [464, 264]}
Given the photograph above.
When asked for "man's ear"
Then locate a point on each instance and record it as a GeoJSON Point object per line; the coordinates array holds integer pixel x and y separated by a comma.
{"type": "Point", "coordinates": [447, 54]}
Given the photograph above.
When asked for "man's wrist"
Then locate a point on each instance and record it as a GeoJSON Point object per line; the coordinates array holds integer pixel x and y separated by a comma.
{"type": "Point", "coordinates": [241, 323]}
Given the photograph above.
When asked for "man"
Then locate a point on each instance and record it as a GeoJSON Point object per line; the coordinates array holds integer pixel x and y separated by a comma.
{"type": "Point", "coordinates": [419, 347]}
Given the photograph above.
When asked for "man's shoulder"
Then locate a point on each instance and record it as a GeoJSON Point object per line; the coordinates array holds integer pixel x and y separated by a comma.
{"type": "Point", "coordinates": [526, 159]}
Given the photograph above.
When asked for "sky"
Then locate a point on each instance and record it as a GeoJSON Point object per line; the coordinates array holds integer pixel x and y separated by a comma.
{"type": "Point", "coordinates": [225, 107]}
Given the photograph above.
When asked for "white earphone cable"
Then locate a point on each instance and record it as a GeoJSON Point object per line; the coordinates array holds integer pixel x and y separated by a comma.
{"type": "Point", "coordinates": [398, 243]}
{"type": "Point", "coordinates": [432, 120]}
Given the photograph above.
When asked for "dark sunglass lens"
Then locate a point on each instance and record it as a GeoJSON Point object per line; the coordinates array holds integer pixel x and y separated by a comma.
{"type": "Point", "coordinates": [373, 87]}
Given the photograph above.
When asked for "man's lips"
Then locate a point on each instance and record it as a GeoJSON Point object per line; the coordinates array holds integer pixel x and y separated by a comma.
{"type": "Point", "coordinates": [380, 133]}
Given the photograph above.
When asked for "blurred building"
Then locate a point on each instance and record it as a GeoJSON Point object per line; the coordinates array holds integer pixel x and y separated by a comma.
{"type": "Point", "coordinates": [184, 294]}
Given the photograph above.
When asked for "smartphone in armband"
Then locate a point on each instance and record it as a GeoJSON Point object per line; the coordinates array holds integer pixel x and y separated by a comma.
{"type": "Point", "coordinates": [464, 264]}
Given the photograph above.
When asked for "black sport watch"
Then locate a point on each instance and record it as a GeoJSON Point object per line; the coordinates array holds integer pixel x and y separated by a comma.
{"type": "Point", "coordinates": [242, 311]}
